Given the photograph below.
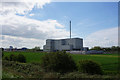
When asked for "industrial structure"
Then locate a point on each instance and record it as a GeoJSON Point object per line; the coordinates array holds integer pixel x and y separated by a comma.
{"type": "Point", "coordinates": [69, 44]}
{"type": "Point", "coordinates": [63, 44]}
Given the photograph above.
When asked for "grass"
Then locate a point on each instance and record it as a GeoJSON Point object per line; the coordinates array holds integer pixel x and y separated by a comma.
{"type": "Point", "coordinates": [9, 75]}
{"type": "Point", "coordinates": [30, 56]}
{"type": "Point", "coordinates": [15, 70]}
{"type": "Point", "coordinates": [109, 62]}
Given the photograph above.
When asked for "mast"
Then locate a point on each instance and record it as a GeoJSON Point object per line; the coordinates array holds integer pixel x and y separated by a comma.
{"type": "Point", "coordinates": [70, 37]}
{"type": "Point", "coordinates": [70, 29]}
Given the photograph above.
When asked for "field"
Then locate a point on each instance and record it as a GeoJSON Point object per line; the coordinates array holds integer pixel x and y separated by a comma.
{"type": "Point", "coordinates": [109, 62]}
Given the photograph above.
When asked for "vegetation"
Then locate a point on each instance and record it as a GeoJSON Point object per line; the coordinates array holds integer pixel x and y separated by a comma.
{"type": "Point", "coordinates": [31, 56]}
{"type": "Point", "coordinates": [19, 58]}
{"type": "Point", "coordinates": [113, 48]}
{"type": "Point", "coordinates": [33, 68]}
{"type": "Point", "coordinates": [36, 48]}
{"type": "Point", "coordinates": [90, 67]}
{"type": "Point", "coordinates": [9, 75]}
{"type": "Point", "coordinates": [14, 70]}
{"type": "Point", "coordinates": [96, 48]}
{"type": "Point", "coordinates": [84, 76]}
{"type": "Point", "coordinates": [25, 70]}
{"type": "Point", "coordinates": [58, 62]}
{"type": "Point", "coordinates": [109, 62]}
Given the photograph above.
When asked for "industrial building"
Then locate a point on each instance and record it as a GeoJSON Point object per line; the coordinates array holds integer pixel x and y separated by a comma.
{"type": "Point", "coordinates": [63, 44]}
{"type": "Point", "coordinates": [69, 44]}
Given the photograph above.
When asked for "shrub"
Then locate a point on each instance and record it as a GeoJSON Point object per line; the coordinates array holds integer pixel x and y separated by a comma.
{"type": "Point", "coordinates": [79, 75]}
{"type": "Point", "coordinates": [27, 70]}
{"type": "Point", "coordinates": [90, 67]}
{"type": "Point", "coordinates": [13, 57]}
{"type": "Point", "coordinates": [58, 62]}
{"type": "Point", "coordinates": [21, 58]}
{"type": "Point", "coordinates": [6, 58]}
{"type": "Point", "coordinates": [52, 75]}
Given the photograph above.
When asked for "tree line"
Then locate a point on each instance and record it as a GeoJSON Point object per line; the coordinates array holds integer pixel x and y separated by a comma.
{"type": "Point", "coordinates": [113, 48]}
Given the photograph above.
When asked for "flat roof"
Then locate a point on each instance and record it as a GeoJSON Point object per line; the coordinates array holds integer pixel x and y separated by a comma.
{"type": "Point", "coordinates": [65, 39]}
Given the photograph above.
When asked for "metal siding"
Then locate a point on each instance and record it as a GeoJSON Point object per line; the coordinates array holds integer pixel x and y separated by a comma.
{"type": "Point", "coordinates": [63, 44]}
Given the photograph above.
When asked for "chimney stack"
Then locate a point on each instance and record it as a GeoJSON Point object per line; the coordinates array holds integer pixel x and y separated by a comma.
{"type": "Point", "coordinates": [70, 29]}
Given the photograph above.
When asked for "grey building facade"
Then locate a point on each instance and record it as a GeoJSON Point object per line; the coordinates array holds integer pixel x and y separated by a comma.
{"type": "Point", "coordinates": [63, 44]}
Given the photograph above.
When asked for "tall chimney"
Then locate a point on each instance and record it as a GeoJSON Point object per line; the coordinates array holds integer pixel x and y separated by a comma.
{"type": "Point", "coordinates": [70, 29]}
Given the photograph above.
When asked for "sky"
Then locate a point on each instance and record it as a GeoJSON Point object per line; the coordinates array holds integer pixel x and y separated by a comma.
{"type": "Point", "coordinates": [29, 24]}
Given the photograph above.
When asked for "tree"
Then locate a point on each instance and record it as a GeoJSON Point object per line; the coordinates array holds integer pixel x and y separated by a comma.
{"type": "Point", "coordinates": [37, 48]}
{"type": "Point", "coordinates": [90, 67]}
{"type": "Point", "coordinates": [115, 48]}
{"type": "Point", "coordinates": [58, 62]}
{"type": "Point", "coordinates": [21, 58]}
{"type": "Point", "coordinates": [96, 48]}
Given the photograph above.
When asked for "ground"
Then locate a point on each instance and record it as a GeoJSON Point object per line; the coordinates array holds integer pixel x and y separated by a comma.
{"type": "Point", "coordinates": [109, 62]}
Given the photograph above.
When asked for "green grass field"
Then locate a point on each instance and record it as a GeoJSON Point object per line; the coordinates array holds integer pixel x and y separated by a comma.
{"type": "Point", "coordinates": [109, 62]}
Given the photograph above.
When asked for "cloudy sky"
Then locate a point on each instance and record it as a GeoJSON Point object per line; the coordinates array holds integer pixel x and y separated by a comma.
{"type": "Point", "coordinates": [29, 24]}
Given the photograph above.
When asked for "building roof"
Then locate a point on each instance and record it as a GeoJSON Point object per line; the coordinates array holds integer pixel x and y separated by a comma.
{"type": "Point", "coordinates": [64, 39]}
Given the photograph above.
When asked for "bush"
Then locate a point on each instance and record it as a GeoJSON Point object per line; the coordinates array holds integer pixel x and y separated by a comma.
{"type": "Point", "coordinates": [90, 67]}
{"type": "Point", "coordinates": [27, 70]}
{"type": "Point", "coordinates": [52, 75]}
{"type": "Point", "coordinates": [19, 58]}
{"type": "Point", "coordinates": [6, 58]}
{"type": "Point", "coordinates": [13, 57]}
{"type": "Point", "coordinates": [58, 62]}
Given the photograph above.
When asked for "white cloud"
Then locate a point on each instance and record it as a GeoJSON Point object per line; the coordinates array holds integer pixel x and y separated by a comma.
{"type": "Point", "coordinates": [21, 31]}
{"type": "Point", "coordinates": [20, 6]}
{"type": "Point", "coordinates": [21, 42]}
{"type": "Point", "coordinates": [28, 28]}
{"type": "Point", "coordinates": [103, 38]}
